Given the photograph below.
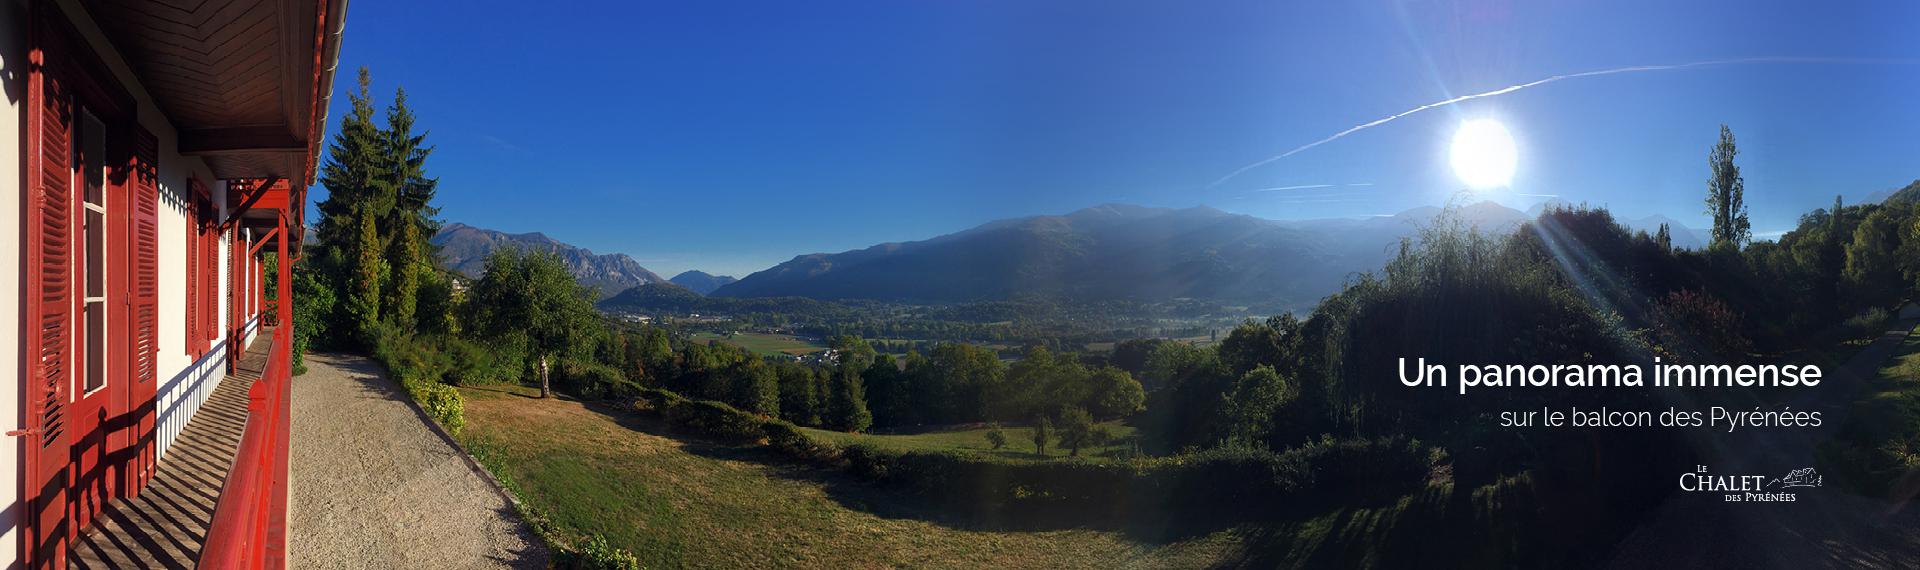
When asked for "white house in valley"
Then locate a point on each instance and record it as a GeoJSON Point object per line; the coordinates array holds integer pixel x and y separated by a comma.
{"type": "Point", "coordinates": [152, 153]}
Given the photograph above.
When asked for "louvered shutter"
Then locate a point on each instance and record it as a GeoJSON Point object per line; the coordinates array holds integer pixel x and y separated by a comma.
{"type": "Point", "coordinates": [193, 278]}
{"type": "Point", "coordinates": [146, 256]}
{"type": "Point", "coordinates": [50, 294]}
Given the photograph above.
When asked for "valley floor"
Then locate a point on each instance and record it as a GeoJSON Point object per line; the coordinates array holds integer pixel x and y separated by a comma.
{"type": "Point", "coordinates": [677, 502]}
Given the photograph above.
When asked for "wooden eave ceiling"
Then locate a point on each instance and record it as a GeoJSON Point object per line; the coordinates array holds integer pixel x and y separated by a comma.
{"type": "Point", "coordinates": [236, 78]}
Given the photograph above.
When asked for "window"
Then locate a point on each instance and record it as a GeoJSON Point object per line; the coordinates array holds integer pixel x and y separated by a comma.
{"type": "Point", "coordinates": [90, 163]}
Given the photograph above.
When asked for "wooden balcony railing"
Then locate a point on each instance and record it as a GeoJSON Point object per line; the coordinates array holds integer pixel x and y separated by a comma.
{"type": "Point", "coordinates": [249, 527]}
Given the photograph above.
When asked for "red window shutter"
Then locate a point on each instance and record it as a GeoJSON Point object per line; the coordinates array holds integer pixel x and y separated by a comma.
{"type": "Point", "coordinates": [210, 286]}
{"type": "Point", "coordinates": [193, 275]}
{"type": "Point", "coordinates": [49, 288]}
{"type": "Point", "coordinates": [146, 255]}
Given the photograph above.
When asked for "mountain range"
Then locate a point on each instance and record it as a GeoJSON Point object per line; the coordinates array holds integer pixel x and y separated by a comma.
{"type": "Point", "coordinates": [700, 281]}
{"type": "Point", "coordinates": [465, 248]}
{"type": "Point", "coordinates": [1107, 252]}
{"type": "Point", "coordinates": [1119, 251]}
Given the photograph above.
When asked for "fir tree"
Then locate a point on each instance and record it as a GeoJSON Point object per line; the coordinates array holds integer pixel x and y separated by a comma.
{"type": "Point", "coordinates": [354, 174]}
{"type": "Point", "coordinates": [404, 165]}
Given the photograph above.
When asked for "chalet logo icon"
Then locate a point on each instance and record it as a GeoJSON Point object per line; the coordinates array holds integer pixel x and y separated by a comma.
{"type": "Point", "coordinates": [1750, 488]}
{"type": "Point", "coordinates": [1803, 477]}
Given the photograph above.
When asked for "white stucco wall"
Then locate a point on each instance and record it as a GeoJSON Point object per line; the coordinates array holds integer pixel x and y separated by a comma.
{"type": "Point", "coordinates": [13, 94]}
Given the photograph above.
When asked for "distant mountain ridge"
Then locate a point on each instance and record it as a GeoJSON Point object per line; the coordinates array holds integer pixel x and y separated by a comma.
{"type": "Point", "coordinates": [464, 249]}
{"type": "Point", "coordinates": [700, 281]}
{"type": "Point", "coordinates": [1121, 251]}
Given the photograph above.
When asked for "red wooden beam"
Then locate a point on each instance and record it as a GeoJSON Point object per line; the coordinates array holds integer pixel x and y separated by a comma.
{"type": "Point", "coordinates": [233, 215]}
{"type": "Point", "coordinates": [262, 242]}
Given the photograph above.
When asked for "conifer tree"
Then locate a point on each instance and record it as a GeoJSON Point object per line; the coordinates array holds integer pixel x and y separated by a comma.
{"type": "Point", "coordinates": [368, 271]}
{"type": "Point", "coordinates": [406, 265]}
{"type": "Point", "coordinates": [847, 403]}
{"type": "Point", "coordinates": [404, 164]}
{"type": "Point", "coordinates": [354, 174]}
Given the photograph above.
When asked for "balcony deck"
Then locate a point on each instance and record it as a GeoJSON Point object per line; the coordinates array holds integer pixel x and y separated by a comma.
{"type": "Point", "coordinates": [166, 525]}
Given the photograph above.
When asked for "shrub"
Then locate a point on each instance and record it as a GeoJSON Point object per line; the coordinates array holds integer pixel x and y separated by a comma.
{"type": "Point", "coordinates": [995, 437]}
{"type": "Point", "coordinates": [1868, 323]}
{"type": "Point", "coordinates": [419, 364]}
{"type": "Point", "coordinates": [594, 381]}
{"type": "Point", "coordinates": [786, 438]}
{"type": "Point", "coordinates": [659, 400]}
{"type": "Point", "coordinates": [595, 554]}
{"type": "Point", "coordinates": [441, 402]}
{"type": "Point", "coordinates": [474, 364]}
{"type": "Point", "coordinates": [716, 420]}
{"type": "Point", "coordinates": [1697, 327]}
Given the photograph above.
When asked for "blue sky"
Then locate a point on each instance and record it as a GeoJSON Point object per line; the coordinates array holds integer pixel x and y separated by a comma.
{"type": "Point", "coordinates": [730, 136]}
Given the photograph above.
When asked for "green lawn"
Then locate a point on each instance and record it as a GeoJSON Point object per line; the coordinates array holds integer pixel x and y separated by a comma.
{"type": "Point", "coordinates": [974, 438]}
{"type": "Point", "coordinates": [679, 502]}
{"type": "Point", "coordinates": [765, 344]}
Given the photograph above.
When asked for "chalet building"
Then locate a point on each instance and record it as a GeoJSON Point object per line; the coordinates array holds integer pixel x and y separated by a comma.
{"type": "Point", "coordinates": [152, 153]}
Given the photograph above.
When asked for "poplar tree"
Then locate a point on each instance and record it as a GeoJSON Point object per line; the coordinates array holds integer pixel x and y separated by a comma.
{"type": "Point", "coordinates": [1725, 195]}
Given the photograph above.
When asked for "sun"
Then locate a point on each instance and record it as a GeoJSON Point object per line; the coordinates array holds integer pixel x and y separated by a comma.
{"type": "Point", "coordinates": [1483, 154]}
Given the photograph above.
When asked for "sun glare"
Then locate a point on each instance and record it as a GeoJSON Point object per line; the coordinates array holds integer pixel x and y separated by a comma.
{"type": "Point", "coordinates": [1483, 154]}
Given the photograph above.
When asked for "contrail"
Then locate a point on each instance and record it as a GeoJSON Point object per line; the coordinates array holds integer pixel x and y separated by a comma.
{"type": "Point", "coordinates": [1300, 187]}
{"type": "Point", "coordinates": [1539, 82]}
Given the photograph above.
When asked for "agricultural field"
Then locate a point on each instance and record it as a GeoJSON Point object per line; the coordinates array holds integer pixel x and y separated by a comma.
{"type": "Point", "coordinates": [683, 503]}
{"type": "Point", "coordinates": [973, 438]}
{"type": "Point", "coordinates": [764, 344]}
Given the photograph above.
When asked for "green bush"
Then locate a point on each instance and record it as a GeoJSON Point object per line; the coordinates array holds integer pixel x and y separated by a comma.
{"type": "Point", "coordinates": [659, 400]}
{"type": "Point", "coordinates": [475, 364]}
{"type": "Point", "coordinates": [593, 381]}
{"type": "Point", "coordinates": [596, 554]}
{"type": "Point", "coordinates": [1869, 323]}
{"type": "Point", "coordinates": [442, 403]}
{"type": "Point", "coordinates": [716, 420]}
{"type": "Point", "coordinates": [785, 437]}
{"type": "Point", "coordinates": [420, 364]}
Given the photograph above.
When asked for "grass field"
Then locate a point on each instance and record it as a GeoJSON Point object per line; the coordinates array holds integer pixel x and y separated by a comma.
{"type": "Point", "coordinates": [678, 502]}
{"type": "Point", "coordinates": [764, 343]}
{"type": "Point", "coordinates": [974, 439]}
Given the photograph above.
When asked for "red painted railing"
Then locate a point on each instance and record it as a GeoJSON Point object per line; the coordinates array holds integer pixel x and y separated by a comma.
{"type": "Point", "coordinates": [250, 523]}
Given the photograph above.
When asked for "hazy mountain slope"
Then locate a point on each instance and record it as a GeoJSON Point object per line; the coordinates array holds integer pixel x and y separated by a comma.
{"type": "Point", "coordinates": [1906, 195]}
{"type": "Point", "coordinates": [464, 248]}
{"type": "Point", "coordinates": [1105, 252]}
{"type": "Point", "coordinates": [1120, 251]}
{"type": "Point", "coordinates": [701, 282]}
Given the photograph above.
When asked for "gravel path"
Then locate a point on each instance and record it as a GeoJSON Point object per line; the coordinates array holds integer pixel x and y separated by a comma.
{"type": "Point", "coordinates": [1827, 527]}
{"type": "Point", "coordinates": [373, 486]}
